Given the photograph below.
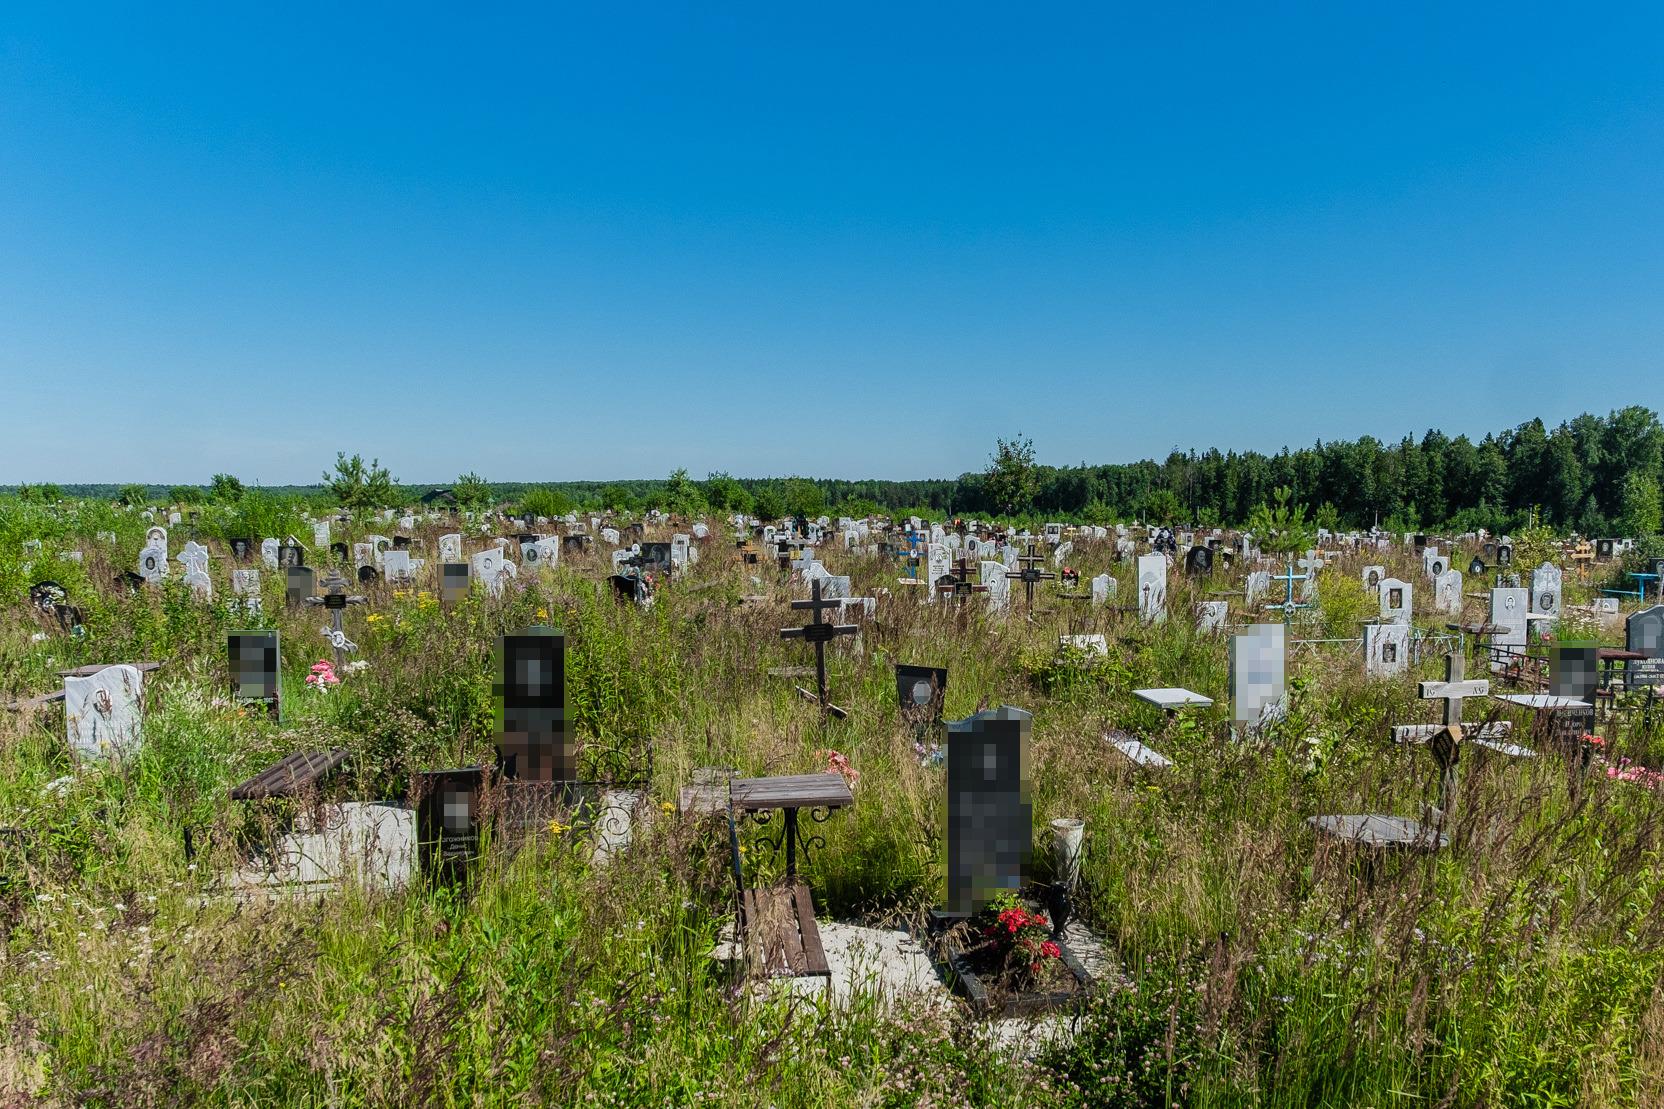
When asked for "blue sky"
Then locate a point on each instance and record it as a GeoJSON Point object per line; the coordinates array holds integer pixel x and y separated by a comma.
{"type": "Point", "coordinates": [844, 241]}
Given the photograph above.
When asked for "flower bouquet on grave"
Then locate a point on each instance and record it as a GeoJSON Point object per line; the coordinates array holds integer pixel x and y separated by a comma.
{"type": "Point", "coordinates": [322, 676]}
{"type": "Point", "coordinates": [1011, 949]}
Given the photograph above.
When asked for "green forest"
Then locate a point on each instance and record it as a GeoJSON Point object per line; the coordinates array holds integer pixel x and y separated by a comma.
{"type": "Point", "coordinates": [1592, 475]}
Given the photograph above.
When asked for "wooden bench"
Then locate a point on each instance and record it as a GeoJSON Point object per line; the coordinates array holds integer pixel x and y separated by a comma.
{"type": "Point", "coordinates": [290, 775]}
{"type": "Point", "coordinates": [776, 925]}
{"type": "Point", "coordinates": [781, 936]}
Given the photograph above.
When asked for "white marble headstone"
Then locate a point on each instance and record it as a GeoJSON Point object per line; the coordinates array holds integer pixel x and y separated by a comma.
{"type": "Point", "coordinates": [1397, 601]}
{"type": "Point", "coordinates": [999, 586]}
{"type": "Point", "coordinates": [1508, 610]}
{"type": "Point", "coordinates": [103, 712]}
{"type": "Point", "coordinates": [1152, 588]}
{"type": "Point", "coordinates": [1386, 649]}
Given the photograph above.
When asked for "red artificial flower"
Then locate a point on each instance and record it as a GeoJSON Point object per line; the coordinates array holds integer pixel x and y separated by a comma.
{"type": "Point", "coordinates": [1051, 949]}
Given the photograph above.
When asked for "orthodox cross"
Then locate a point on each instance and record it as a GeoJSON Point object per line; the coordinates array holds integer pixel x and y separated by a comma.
{"type": "Point", "coordinates": [335, 600]}
{"type": "Point", "coordinates": [1446, 744]}
{"type": "Point", "coordinates": [961, 585]}
{"type": "Point", "coordinates": [819, 632]}
{"type": "Point", "coordinates": [1288, 578]}
{"type": "Point", "coordinates": [1030, 574]}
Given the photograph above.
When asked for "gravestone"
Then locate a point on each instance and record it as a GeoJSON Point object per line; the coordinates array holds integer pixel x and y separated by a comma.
{"type": "Point", "coordinates": [103, 712]}
{"type": "Point", "coordinates": [453, 582]}
{"type": "Point", "coordinates": [242, 549]}
{"type": "Point", "coordinates": [1211, 616]}
{"type": "Point", "coordinates": [1386, 650]}
{"type": "Point", "coordinates": [534, 745]}
{"type": "Point", "coordinates": [492, 570]}
{"type": "Point", "coordinates": [1198, 562]}
{"type": "Point", "coordinates": [255, 669]}
{"type": "Point", "coordinates": [1447, 593]}
{"type": "Point", "coordinates": [997, 585]}
{"type": "Point", "coordinates": [298, 583]}
{"type": "Point", "coordinates": [398, 567]}
{"type": "Point", "coordinates": [938, 565]}
{"type": "Point", "coordinates": [195, 560]}
{"type": "Point", "coordinates": [921, 691]}
{"type": "Point", "coordinates": [1508, 609]}
{"type": "Point", "coordinates": [1257, 672]}
{"type": "Point", "coordinates": [1061, 552]}
{"type": "Point", "coordinates": [1546, 590]}
{"type": "Point", "coordinates": [1644, 632]}
{"type": "Point", "coordinates": [1255, 585]}
{"type": "Point", "coordinates": [1396, 601]}
{"type": "Point", "coordinates": [153, 564]}
{"type": "Point", "coordinates": [1373, 577]}
{"type": "Point", "coordinates": [1574, 671]}
{"type": "Point", "coordinates": [1104, 589]}
{"type": "Point", "coordinates": [450, 547]}
{"type": "Point", "coordinates": [245, 586]}
{"type": "Point", "coordinates": [290, 554]}
{"type": "Point", "coordinates": [1504, 554]}
{"type": "Point", "coordinates": [320, 533]}
{"type": "Point", "coordinates": [447, 821]}
{"type": "Point", "coordinates": [990, 823]}
{"type": "Point", "coordinates": [540, 554]}
{"type": "Point", "coordinates": [1152, 588]}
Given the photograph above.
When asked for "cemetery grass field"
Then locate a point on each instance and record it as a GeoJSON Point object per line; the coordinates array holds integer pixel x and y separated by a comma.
{"type": "Point", "coordinates": [1257, 966]}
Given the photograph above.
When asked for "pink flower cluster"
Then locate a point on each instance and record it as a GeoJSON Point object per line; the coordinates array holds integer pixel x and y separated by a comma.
{"type": "Point", "coordinates": [1626, 770]}
{"type": "Point", "coordinates": [838, 763]}
{"type": "Point", "coordinates": [322, 676]}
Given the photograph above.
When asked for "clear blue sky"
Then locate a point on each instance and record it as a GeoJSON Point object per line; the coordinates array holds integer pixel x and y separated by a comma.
{"type": "Point", "coordinates": [834, 240]}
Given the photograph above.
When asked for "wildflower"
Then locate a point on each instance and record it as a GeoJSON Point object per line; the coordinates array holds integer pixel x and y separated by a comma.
{"type": "Point", "coordinates": [542, 614]}
{"type": "Point", "coordinates": [556, 827]}
{"type": "Point", "coordinates": [667, 807]}
{"type": "Point", "coordinates": [356, 666]}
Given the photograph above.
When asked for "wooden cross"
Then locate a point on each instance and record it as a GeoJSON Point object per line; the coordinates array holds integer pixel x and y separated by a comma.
{"type": "Point", "coordinates": [1446, 744]}
{"type": "Point", "coordinates": [1028, 575]}
{"type": "Point", "coordinates": [336, 600]}
{"type": "Point", "coordinates": [961, 585]}
{"type": "Point", "coordinates": [819, 632]}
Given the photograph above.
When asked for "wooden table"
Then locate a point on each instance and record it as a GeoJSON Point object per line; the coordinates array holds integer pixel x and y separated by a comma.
{"type": "Point", "coordinates": [789, 793]}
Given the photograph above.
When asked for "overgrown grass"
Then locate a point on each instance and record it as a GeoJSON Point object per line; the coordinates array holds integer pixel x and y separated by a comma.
{"type": "Point", "coordinates": [1262, 967]}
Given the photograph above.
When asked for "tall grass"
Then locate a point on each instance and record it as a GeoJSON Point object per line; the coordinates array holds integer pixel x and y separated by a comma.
{"type": "Point", "coordinates": [1258, 966]}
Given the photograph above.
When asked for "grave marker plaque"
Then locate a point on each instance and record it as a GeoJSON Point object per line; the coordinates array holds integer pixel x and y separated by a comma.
{"type": "Point", "coordinates": [447, 821]}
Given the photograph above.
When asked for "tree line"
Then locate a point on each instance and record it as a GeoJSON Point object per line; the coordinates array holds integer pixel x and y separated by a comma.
{"type": "Point", "coordinates": [1597, 475]}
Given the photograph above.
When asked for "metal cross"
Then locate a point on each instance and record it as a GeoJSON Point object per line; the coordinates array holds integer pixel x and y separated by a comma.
{"type": "Point", "coordinates": [1028, 575]}
{"type": "Point", "coordinates": [336, 600]}
{"type": "Point", "coordinates": [961, 585]}
{"type": "Point", "coordinates": [1289, 578]}
{"type": "Point", "coordinates": [819, 632]}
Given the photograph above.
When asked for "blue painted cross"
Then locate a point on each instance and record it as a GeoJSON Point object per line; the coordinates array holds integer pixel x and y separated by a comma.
{"type": "Point", "coordinates": [1288, 579]}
